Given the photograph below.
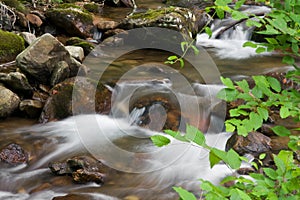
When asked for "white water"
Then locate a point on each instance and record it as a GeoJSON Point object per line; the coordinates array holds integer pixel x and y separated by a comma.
{"type": "Point", "coordinates": [229, 44]}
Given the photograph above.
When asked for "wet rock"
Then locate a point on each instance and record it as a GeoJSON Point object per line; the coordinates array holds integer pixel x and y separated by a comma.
{"type": "Point", "coordinates": [10, 46]}
{"type": "Point", "coordinates": [60, 72]}
{"type": "Point", "coordinates": [187, 21]}
{"type": "Point", "coordinates": [93, 7]}
{"type": "Point", "coordinates": [74, 197]}
{"type": "Point", "coordinates": [17, 82]}
{"type": "Point", "coordinates": [279, 143]}
{"type": "Point", "coordinates": [118, 3]}
{"type": "Point", "coordinates": [40, 60]}
{"type": "Point", "coordinates": [75, 41]}
{"type": "Point", "coordinates": [72, 20]}
{"type": "Point", "coordinates": [105, 25]}
{"type": "Point", "coordinates": [255, 143]}
{"type": "Point", "coordinates": [113, 40]}
{"type": "Point", "coordinates": [76, 52]}
{"type": "Point", "coordinates": [28, 37]}
{"type": "Point", "coordinates": [83, 169]}
{"type": "Point", "coordinates": [13, 154]}
{"type": "Point", "coordinates": [9, 102]}
{"type": "Point", "coordinates": [31, 108]}
{"type": "Point", "coordinates": [59, 104]}
{"type": "Point", "coordinates": [34, 20]}
{"type": "Point", "coordinates": [190, 3]}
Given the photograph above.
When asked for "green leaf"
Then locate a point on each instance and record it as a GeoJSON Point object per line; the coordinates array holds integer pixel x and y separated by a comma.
{"type": "Point", "coordinates": [281, 131]}
{"type": "Point", "coordinates": [227, 82]}
{"type": "Point", "coordinates": [184, 194]}
{"type": "Point", "coordinates": [288, 60]}
{"type": "Point", "coordinates": [284, 112]}
{"type": "Point", "coordinates": [243, 85]}
{"type": "Point", "coordinates": [172, 57]}
{"type": "Point", "coordinates": [262, 156]}
{"type": "Point", "coordinates": [250, 44]}
{"type": "Point", "coordinates": [183, 45]}
{"type": "Point", "coordinates": [263, 113]}
{"type": "Point", "coordinates": [215, 156]}
{"type": "Point", "coordinates": [238, 4]}
{"type": "Point", "coordinates": [280, 166]}
{"type": "Point", "coordinates": [181, 62]}
{"type": "Point", "coordinates": [176, 135]}
{"type": "Point", "coordinates": [220, 13]}
{"type": "Point", "coordinates": [272, 40]}
{"type": "Point", "coordinates": [195, 135]}
{"type": "Point", "coordinates": [256, 120]}
{"type": "Point", "coordinates": [251, 23]}
{"type": "Point", "coordinates": [271, 173]}
{"type": "Point", "coordinates": [233, 159]}
{"type": "Point", "coordinates": [260, 50]}
{"type": "Point", "coordinates": [196, 50]}
{"type": "Point", "coordinates": [270, 31]}
{"type": "Point", "coordinates": [229, 127]}
{"type": "Point", "coordinates": [227, 94]}
{"type": "Point", "coordinates": [228, 179]}
{"type": "Point", "coordinates": [222, 2]}
{"type": "Point", "coordinates": [159, 140]}
{"type": "Point", "coordinates": [241, 130]}
{"type": "Point", "coordinates": [236, 15]}
{"type": "Point", "coordinates": [274, 83]}
{"type": "Point", "coordinates": [208, 31]}
{"type": "Point", "coordinates": [295, 48]}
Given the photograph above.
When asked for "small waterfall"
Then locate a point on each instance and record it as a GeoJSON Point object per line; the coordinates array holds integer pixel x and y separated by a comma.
{"type": "Point", "coordinates": [229, 36]}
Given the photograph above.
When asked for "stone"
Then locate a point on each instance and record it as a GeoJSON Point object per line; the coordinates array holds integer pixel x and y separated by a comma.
{"type": "Point", "coordinates": [190, 3]}
{"type": "Point", "coordinates": [76, 52]}
{"type": "Point", "coordinates": [17, 82]}
{"type": "Point", "coordinates": [31, 108]}
{"type": "Point", "coordinates": [75, 41]}
{"type": "Point", "coordinates": [105, 25]}
{"type": "Point", "coordinates": [39, 60]}
{"type": "Point", "coordinates": [13, 154]}
{"type": "Point", "coordinates": [34, 20]}
{"type": "Point", "coordinates": [73, 20]}
{"type": "Point", "coordinates": [60, 73]}
{"type": "Point", "coordinates": [10, 46]}
{"type": "Point", "coordinates": [255, 144]}
{"type": "Point", "coordinates": [186, 21]}
{"type": "Point", "coordinates": [83, 169]}
{"type": "Point", "coordinates": [9, 102]}
{"type": "Point", "coordinates": [28, 37]}
{"type": "Point", "coordinates": [74, 197]}
{"type": "Point", "coordinates": [59, 104]}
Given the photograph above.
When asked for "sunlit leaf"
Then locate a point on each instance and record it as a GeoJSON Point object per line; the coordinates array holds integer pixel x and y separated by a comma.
{"type": "Point", "coordinates": [159, 140]}
{"type": "Point", "coordinates": [184, 194]}
{"type": "Point", "coordinates": [281, 131]}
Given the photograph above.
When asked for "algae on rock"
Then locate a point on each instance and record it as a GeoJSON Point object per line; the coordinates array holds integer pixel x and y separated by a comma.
{"type": "Point", "coordinates": [10, 46]}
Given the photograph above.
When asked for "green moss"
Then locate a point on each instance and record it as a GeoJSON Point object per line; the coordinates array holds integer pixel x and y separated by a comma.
{"type": "Point", "coordinates": [85, 17]}
{"type": "Point", "coordinates": [16, 4]}
{"type": "Point", "coordinates": [75, 41]}
{"type": "Point", "coordinates": [10, 46]}
{"type": "Point", "coordinates": [152, 14]}
{"type": "Point", "coordinates": [92, 7]}
{"type": "Point", "coordinates": [68, 5]}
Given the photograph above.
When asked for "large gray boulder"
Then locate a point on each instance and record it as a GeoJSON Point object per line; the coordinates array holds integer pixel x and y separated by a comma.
{"type": "Point", "coordinates": [9, 102]}
{"type": "Point", "coordinates": [41, 61]}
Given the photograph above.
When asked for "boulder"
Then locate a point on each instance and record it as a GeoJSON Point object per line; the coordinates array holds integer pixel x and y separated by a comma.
{"type": "Point", "coordinates": [105, 25]}
{"type": "Point", "coordinates": [190, 3]}
{"type": "Point", "coordinates": [13, 154]}
{"type": "Point", "coordinates": [59, 104]}
{"type": "Point", "coordinates": [83, 169]}
{"type": "Point", "coordinates": [255, 144]}
{"type": "Point", "coordinates": [31, 108]}
{"type": "Point", "coordinates": [17, 82]}
{"type": "Point", "coordinates": [9, 102]}
{"type": "Point", "coordinates": [34, 20]}
{"type": "Point", "coordinates": [41, 61]}
{"type": "Point", "coordinates": [76, 52]}
{"type": "Point", "coordinates": [28, 37]}
{"type": "Point", "coordinates": [72, 20]}
{"type": "Point", "coordinates": [184, 20]}
{"type": "Point", "coordinates": [10, 46]}
{"type": "Point", "coordinates": [75, 41]}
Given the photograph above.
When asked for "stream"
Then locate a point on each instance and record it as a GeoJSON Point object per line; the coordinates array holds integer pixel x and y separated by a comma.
{"type": "Point", "coordinates": [137, 169]}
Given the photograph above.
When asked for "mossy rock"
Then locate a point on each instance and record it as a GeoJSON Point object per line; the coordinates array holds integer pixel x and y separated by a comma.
{"type": "Point", "coordinates": [10, 46]}
{"type": "Point", "coordinates": [190, 3]}
{"type": "Point", "coordinates": [75, 41]}
{"type": "Point", "coordinates": [16, 4]}
{"type": "Point", "coordinates": [92, 7]}
{"type": "Point", "coordinates": [74, 21]}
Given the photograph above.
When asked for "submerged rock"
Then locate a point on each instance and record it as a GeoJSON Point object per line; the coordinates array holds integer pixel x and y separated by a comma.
{"type": "Point", "coordinates": [83, 169]}
{"type": "Point", "coordinates": [187, 21]}
{"type": "Point", "coordinates": [72, 20]}
{"type": "Point", "coordinates": [9, 102]}
{"type": "Point", "coordinates": [41, 59]}
{"type": "Point", "coordinates": [31, 108]}
{"type": "Point", "coordinates": [13, 154]}
{"type": "Point", "coordinates": [59, 104]}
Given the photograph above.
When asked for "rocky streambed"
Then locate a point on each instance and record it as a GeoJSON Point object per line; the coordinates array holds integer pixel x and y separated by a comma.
{"type": "Point", "coordinates": [52, 56]}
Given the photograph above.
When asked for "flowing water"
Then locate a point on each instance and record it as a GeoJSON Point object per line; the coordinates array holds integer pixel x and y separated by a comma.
{"type": "Point", "coordinates": [139, 168]}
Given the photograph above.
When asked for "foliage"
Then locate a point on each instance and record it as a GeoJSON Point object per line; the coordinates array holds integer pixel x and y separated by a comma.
{"type": "Point", "coordinates": [280, 183]}
{"type": "Point", "coordinates": [265, 96]}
